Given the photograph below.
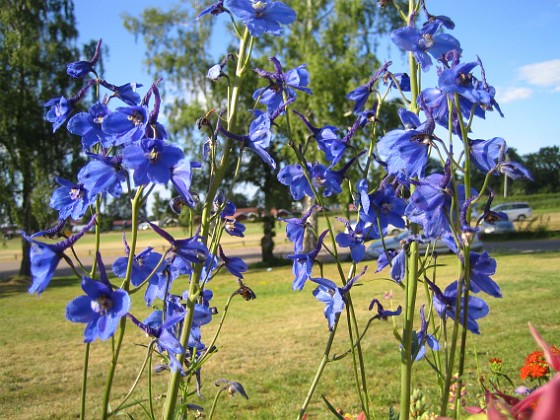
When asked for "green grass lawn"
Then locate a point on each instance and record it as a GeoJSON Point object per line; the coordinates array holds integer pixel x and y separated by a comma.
{"type": "Point", "coordinates": [272, 345]}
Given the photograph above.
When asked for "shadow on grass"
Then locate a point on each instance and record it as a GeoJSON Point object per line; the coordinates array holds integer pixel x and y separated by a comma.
{"type": "Point", "coordinates": [276, 262]}
{"type": "Point", "coordinates": [515, 236]}
{"type": "Point", "coordinates": [20, 284]}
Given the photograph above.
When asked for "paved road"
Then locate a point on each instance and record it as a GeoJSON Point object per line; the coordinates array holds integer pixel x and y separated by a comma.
{"type": "Point", "coordinates": [252, 254]}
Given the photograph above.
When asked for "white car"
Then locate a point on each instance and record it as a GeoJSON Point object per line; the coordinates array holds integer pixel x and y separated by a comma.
{"type": "Point", "coordinates": [392, 243]}
{"type": "Point", "coordinates": [515, 211]}
{"type": "Point", "coordinates": [499, 226]}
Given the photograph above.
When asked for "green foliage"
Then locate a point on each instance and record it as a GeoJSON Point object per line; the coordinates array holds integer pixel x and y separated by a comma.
{"type": "Point", "coordinates": [339, 51]}
{"type": "Point", "coordinates": [36, 42]}
{"type": "Point", "coordinates": [536, 201]}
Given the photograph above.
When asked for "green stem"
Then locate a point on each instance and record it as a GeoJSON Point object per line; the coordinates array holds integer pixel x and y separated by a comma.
{"type": "Point", "coordinates": [319, 372]}
{"type": "Point", "coordinates": [136, 381]}
{"type": "Point", "coordinates": [150, 397]}
{"type": "Point", "coordinates": [174, 380]}
{"type": "Point", "coordinates": [84, 382]}
{"type": "Point", "coordinates": [125, 286]}
{"type": "Point", "coordinates": [412, 263]}
{"type": "Point", "coordinates": [408, 324]}
{"type": "Point", "coordinates": [211, 413]}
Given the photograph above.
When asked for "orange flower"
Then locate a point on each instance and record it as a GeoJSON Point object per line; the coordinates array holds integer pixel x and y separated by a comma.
{"type": "Point", "coordinates": [535, 366]}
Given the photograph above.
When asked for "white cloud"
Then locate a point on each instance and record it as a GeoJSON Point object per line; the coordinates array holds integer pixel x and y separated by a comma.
{"type": "Point", "coordinates": [546, 73]}
{"type": "Point", "coordinates": [513, 94]}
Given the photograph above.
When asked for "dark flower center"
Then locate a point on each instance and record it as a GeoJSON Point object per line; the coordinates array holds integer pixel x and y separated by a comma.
{"type": "Point", "coordinates": [423, 138]}
{"type": "Point", "coordinates": [136, 118]}
{"type": "Point", "coordinates": [427, 41]}
{"type": "Point", "coordinates": [230, 225]}
{"type": "Point", "coordinates": [153, 156]}
{"type": "Point", "coordinates": [102, 304]}
{"type": "Point", "coordinates": [464, 79]}
{"type": "Point", "coordinates": [98, 119]}
{"type": "Point", "coordinates": [276, 87]}
{"type": "Point", "coordinates": [260, 7]}
{"type": "Point", "coordinates": [77, 193]}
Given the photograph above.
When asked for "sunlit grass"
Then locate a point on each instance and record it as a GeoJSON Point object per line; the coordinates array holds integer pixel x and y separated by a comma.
{"type": "Point", "coordinates": [272, 345]}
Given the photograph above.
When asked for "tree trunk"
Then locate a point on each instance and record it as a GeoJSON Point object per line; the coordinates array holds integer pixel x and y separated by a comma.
{"type": "Point", "coordinates": [26, 218]}
{"type": "Point", "coordinates": [267, 241]}
{"type": "Point", "coordinates": [309, 238]}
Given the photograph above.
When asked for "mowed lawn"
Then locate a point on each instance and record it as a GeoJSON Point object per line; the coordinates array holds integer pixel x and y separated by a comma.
{"type": "Point", "coordinates": [272, 345]}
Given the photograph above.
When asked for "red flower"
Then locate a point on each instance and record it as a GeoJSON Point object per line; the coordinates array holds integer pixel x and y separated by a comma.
{"type": "Point", "coordinates": [535, 366]}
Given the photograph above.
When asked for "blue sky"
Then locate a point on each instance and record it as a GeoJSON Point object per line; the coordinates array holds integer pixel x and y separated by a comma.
{"type": "Point", "coordinates": [517, 41]}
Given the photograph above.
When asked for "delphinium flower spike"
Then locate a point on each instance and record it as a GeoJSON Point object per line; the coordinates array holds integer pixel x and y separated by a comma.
{"type": "Point", "coordinates": [45, 257]}
{"type": "Point", "coordinates": [101, 308]}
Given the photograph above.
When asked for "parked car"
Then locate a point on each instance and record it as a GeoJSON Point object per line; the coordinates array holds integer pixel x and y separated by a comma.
{"type": "Point", "coordinates": [515, 210]}
{"type": "Point", "coordinates": [499, 226]}
{"type": "Point", "coordinates": [392, 243]}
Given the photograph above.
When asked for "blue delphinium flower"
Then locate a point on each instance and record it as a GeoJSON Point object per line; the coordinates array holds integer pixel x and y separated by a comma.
{"type": "Point", "coordinates": [459, 80]}
{"type": "Point", "coordinates": [258, 139]}
{"type": "Point", "coordinates": [303, 264]}
{"type": "Point", "coordinates": [383, 207]}
{"type": "Point", "coordinates": [127, 93]}
{"type": "Point", "coordinates": [127, 123]}
{"type": "Point", "coordinates": [327, 140]}
{"type": "Point", "coordinates": [232, 387]}
{"type": "Point", "coordinates": [181, 178]}
{"type": "Point", "coordinates": [226, 207]}
{"type": "Point", "coordinates": [80, 69]}
{"type": "Point", "coordinates": [333, 296]}
{"type": "Point", "coordinates": [422, 338]}
{"type": "Point", "coordinates": [103, 174]}
{"type": "Point", "coordinates": [152, 160]}
{"type": "Point", "coordinates": [202, 311]}
{"type": "Point", "coordinates": [190, 250]}
{"type": "Point", "coordinates": [59, 110]}
{"type": "Point", "coordinates": [445, 303]}
{"type": "Point", "coordinates": [45, 257]}
{"type": "Point", "coordinates": [406, 151]}
{"type": "Point", "coordinates": [89, 126]}
{"type": "Point", "coordinates": [398, 80]}
{"type": "Point", "coordinates": [160, 284]}
{"type": "Point", "coordinates": [324, 179]}
{"type": "Point", "coordinates": [164, 333]}
{"type": "Point", "coordinates": [142, 266]}
{"type": "Point", "coordinates": [514, 170]}
{"type": "Point", "coordinates": [281, 84]}
{"type": "Point", "coordinates": [262, 16]}
{"type": "Point", "coordinates": [71, 200]}
{"type": "Point", "coordinates": [436, 101]}
{"type": "Point", "coordinates": [430, 204]}
{"type": "Point", "coordinates": [294, 177]}
{"type": "Point", "coordinates": [398, 267]}
{"type": "Point", "coordinates": [424, 41]}
{"type": "Point", "coordinates": [485, 153]}
{"type": "Point", "coordinates": [234, 265]}
{"type": "Point", "coordinates": [234, 228]}
{"type": "Point", "coordinates": [383, 313]}
{"type": "Point", "coordinates": [295, 228]}
{"type": "Point", "coordinates": [482, 266]}
{"type": "Point", "coordinates": [354, 238]}
{"type": "Point", "coordinates": [361, 94]}
{"type": "Point", "coordinates": [101, 309]}
{"type": "Point", "coordinates": [214, 9]}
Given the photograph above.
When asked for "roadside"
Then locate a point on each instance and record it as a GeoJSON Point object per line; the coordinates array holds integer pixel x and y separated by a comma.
{"type": "Point", "coordinates": [252, 254]}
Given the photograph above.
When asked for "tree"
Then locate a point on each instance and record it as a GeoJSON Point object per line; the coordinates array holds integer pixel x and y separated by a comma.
{"type": "Point", "coordinates": [544, 166]}
{"type": "Point", "coordinates": [180, 54]}
{"type": "Point", "coordinates": [36, 43]}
